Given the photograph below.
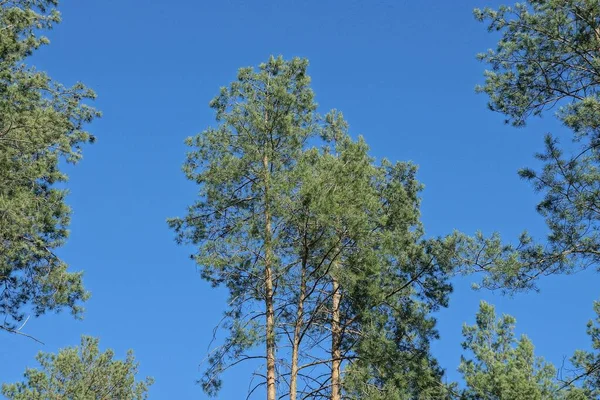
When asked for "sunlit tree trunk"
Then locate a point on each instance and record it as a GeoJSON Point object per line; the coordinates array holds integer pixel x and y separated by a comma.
{"type": "Point", "coordinates": [336, 335]}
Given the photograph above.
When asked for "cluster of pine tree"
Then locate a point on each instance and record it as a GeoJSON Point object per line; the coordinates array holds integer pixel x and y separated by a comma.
{"type": "Point", "coordinates": [332, 282]}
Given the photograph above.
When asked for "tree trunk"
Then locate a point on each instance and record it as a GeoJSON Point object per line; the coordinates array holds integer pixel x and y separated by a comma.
{"type": "Point", "coordinates": [297, 333]}
{"type": "Point", "coordinates": [336, 336]}
{"type": "Point", "coordinates": [270, 314]}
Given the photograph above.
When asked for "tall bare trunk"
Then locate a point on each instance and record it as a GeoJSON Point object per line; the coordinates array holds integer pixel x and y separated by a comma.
{"type": "Point", "coordinates": [270, 314]}
{"type": "Point", "coordinates": [336, 336]}
{"type": "Point", "coordinates": [270, 335]}
{"type": "Point", "coordinates": [297, 332]}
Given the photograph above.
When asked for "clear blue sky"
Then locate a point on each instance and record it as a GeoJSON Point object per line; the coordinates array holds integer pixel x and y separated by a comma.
{"type": "Point", "coordinates": [403, 74]}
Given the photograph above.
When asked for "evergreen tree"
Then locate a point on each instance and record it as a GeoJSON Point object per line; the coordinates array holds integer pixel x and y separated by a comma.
{"type": "Point", "coordinates": [390, 279]}
{"type": "Point", "coordinates": [244, 168]}
{"type": "Point", "coordinates": [80, 373]}
{"type": "Point", "coordinates": [587, 363]}
{"type": "Point", "coordinates": [41, 123]}
{"type": "Point", "coordinates": [325, 241]}
{"type": "Point", "coordinates": [505, 368]}
{"type": "Point", "coordinates": [367, 280]}
{"type": "Point", "coordinates": [547, 57]}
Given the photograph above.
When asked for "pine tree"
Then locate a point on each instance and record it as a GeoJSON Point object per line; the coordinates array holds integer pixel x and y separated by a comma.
{"type": "Point", "coordinates": [505, 368]}
{"type": "Point", "coordinates": [295, 217]}
{"type": "Point", "coordinates": [389, 278]}
{"type": "Point", "coordinates": [244, 168]}
{"type": "Point", "coordinates": [41, 123]}
{"type": "Point", "coordinates": [587, 363]}
{"type": "Point", "coordinates": [81, 373]}
{"type": "Point", "coordinates": [548, 57]}
{"type": "Point", "coordinates": [364, 281]}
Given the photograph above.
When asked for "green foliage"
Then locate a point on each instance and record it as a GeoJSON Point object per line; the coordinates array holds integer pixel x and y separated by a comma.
{"type": "Point", "coordinates": [80, 373]}
{"type": "Point", "coordinates": [546, 57]}
{"type": "Point", "coordinates": [341, 226]}
{"type": "Point", "coordinates": [41, 123]}
{"type": "Point", "coordinates": [390, 279]}
{"type": "Point", "coordinates": [503, 367]}
{"type": "Point", "coordinates": [244, 170]}
{"type": "Point", "coordinates": [547, 53]}
{"type": "Point", "coordinates": [587, 363]}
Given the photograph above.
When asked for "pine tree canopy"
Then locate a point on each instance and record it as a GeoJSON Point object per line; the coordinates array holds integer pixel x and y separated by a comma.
{"type": "Point", "coordinates": [42, 124]}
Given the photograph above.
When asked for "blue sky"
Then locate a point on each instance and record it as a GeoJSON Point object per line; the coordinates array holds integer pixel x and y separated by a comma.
{"type": "Point", "coordinates": [402, 72]}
